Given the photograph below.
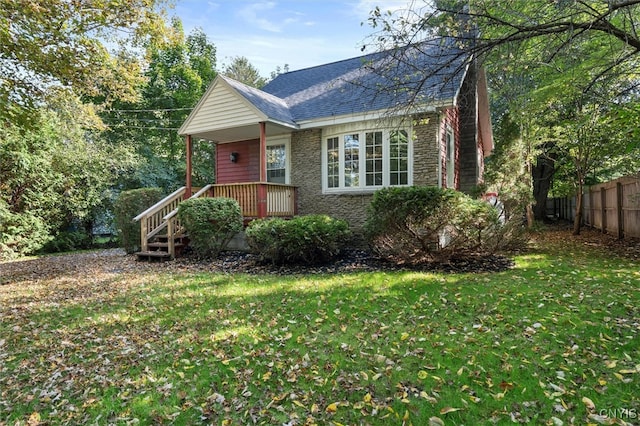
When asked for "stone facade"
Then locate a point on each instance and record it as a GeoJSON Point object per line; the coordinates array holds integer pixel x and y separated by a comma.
{"type": "Point", "coordinates": [426, 151]}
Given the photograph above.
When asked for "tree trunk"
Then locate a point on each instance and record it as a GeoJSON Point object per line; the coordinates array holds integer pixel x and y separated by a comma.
{"type": "Point", "coordinates": [541, 174]}
{"type": "Point", "coordinates": [530, 218]}
{"type": "Point", "coordinates": [577, 221]}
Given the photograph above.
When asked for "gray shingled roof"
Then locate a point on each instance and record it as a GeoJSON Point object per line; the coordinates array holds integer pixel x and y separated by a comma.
{"type": "Point", "coordinates": [373, 82]}
{"type": "Point", "coordinates": [378, 81]}
{"type": "Point", "coordinates": [273, 107]}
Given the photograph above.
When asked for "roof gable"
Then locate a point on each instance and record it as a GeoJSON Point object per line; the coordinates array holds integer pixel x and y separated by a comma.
{"type": "Point", "coordinates": [228, 103]}
{"type": "Point", "coordinates": [220, 107]}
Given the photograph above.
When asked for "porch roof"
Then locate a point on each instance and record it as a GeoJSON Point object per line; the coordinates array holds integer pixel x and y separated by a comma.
{"type": "Point", "coordinates": [230, 111]}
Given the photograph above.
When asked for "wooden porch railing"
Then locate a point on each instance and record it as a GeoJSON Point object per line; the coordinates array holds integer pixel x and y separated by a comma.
{"type": "Point", "coordinates": [256, 200]}
{"type": "Point", "coordinates": [260, 199]}
{"type": "Point", "coordinates": [174, 227]}
{"type": "Point", "coordinates": [152, 220]}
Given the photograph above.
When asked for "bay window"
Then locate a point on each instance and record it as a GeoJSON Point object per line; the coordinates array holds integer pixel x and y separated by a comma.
{"type": "Point", "coordinates": [366, 160]}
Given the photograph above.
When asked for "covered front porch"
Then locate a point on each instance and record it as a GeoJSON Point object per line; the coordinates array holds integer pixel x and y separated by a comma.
{"type": "Point", "coordinates": [251, 130]}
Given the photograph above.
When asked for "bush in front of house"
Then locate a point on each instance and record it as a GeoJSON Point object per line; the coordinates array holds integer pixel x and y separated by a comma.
{"type": "Point", "coordinates": [430, 224]}
{"type": "Point", "coordinates": [210, 223]}
{"type": "Point", "coordinates": [311, 239]}
{"type": "Point", "coordinates": [128, 205]}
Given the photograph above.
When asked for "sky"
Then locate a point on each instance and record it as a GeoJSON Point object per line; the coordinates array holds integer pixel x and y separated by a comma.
{"type": "Point", "coordinates": [270, 34]}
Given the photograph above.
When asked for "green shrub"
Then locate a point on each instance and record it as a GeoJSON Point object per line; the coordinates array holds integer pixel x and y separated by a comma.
{"type": "Point", "coordinates": [21, 234]}
{"type": "Point", "coordinates": [68, 241]}
{"type": "Point", "coordinates": [424, 224]}
{"type": "Point", "coordinates": [210, 223]}
{"type": "Point", "coordinates": [311, 239]}
{"type": "Point", "coordinates": [128, 205]}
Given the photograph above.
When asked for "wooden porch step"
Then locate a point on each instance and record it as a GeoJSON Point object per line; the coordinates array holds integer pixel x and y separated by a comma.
{"type": "Point", "coordinates": [164, 245]}
{"type": "Point", "coordinates": [156, 254]}
{"type": "Point", "coordinates": [176, 238]}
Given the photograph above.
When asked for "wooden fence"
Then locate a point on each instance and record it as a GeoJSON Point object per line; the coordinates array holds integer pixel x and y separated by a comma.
{"type": "Point", "coordinates": [612, 207]}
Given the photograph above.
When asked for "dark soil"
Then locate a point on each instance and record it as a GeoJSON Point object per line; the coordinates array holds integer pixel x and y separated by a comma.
{"type": "Point", "coordinates": [347, 261]}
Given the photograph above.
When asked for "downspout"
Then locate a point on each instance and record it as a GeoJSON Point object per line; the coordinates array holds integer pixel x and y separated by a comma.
{"type": "Point", "coordinates": [189, 150]}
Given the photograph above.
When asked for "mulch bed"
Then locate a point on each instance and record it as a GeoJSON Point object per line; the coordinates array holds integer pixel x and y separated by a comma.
{"type": "Point", "coordinates": [348, 261]}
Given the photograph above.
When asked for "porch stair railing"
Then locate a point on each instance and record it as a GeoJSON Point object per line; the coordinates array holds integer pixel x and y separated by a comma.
{"type": "Point", "coordinates": [162, 235]}
{"type": "Point", "coordinates": [160, 217]}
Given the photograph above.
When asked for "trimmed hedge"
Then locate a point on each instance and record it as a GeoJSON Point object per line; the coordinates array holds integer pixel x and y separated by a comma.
{"type": "Point", "coordinates": [312, 239]}
{"type": "Point", "coordinates": [128, 205]}
{"type": "Point", "coordinates": [425, 224]}
{"type": "Point", "coordinates": [210, 223]}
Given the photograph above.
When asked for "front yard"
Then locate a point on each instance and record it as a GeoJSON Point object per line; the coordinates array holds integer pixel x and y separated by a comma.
{"type": "Point", "coordinates": [96, 338]}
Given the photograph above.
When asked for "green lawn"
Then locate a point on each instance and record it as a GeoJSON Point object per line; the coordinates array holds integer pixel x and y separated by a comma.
{"type": "Point", "coordinates": [554, 341]}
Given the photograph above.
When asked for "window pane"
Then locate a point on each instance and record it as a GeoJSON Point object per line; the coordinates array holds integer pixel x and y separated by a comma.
{"type": "Point", "coordinates": [276, 163]}
{"type": "Point", "coordinates": [404, 178]}
{"type": "Point", "coordinates": [374, 159]}
{"type": "Point", "coordinates": [451, 159]}
{"type": "Point", "coordinates": [352, 160]}
{"type": "Point", "coordinates": [333, 163]}
{"type": "Point", "coordinates": [398, 157]}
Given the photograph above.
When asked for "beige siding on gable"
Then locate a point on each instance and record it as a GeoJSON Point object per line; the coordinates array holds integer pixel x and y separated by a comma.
{"type": "Point", "coordinates": [222, 109]}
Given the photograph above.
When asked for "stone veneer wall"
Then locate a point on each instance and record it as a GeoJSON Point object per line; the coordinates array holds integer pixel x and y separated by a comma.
{"type": "Point", "coordinates": [426, 150]}
{"type": "Point", "coordinates": [306, 174]}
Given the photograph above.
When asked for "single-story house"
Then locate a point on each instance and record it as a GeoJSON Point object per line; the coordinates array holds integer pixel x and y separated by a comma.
{"type": "Point", "coordinates": [324, 139]}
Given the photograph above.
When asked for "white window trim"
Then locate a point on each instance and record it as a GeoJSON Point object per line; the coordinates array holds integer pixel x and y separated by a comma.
{"type": "Point", "coordinates": [340, 132]}
{"type": "Point", "coordinates": [450, 156]}
{"type": "Point", "coordinates": [286, 141]}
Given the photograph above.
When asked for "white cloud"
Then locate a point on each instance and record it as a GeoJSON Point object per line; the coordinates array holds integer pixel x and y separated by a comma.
{"type": "Point", "coordinates": [253, 15]}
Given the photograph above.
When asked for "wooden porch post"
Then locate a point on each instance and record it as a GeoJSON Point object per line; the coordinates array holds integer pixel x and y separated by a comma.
{"type": "Point", "coordinates": [189, 142]}
{"type": "Point", "coordinates": [262, 187]}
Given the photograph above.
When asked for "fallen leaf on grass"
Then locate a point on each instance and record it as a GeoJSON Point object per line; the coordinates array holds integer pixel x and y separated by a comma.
{"type": "Point", "coordinates": [447, 410]}
{"type": "Point", "coordinates": [588, 403]}
{"type": "Point", "coordinates": [436, 421]}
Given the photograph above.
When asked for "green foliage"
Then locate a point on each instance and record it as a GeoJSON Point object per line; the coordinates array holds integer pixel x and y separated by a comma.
{"type": "Point", "coordinates": [75, 35]}
{"type": "Point", "coordinates": [128, 205]}
{"type": "Point", "coordinates": [178, 74]}
{"type": "Point", "coordinates": [68, 241]}
{"type": "Point", "coordinates": [210, 223]}
{"type": "Point", "coordinates": [240, 69]}
{"type": "Point", "coordinates": [422, 224]}
{"type": "Point", "coordinates": [311, 239]}
{"type": "Point", "coordinates": [20, 234]}
{"type": "Point", "coordinates": [56, 172]}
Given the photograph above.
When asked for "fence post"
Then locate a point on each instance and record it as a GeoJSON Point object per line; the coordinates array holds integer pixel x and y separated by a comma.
{"type": "Point", "coordinates": [603, 209]}
{"type": "Point", "coordinates": [144, 230]}
{"type": "Point", "coordinates": [620, 211]}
